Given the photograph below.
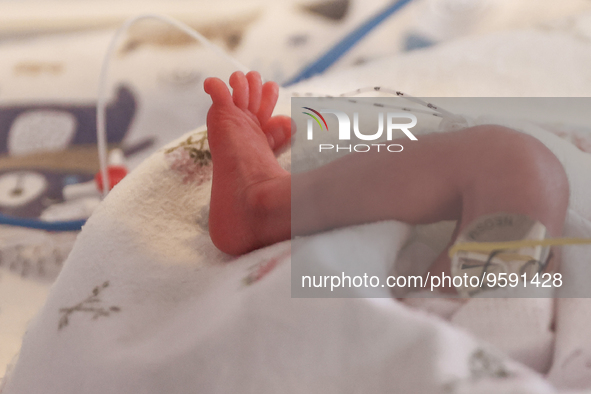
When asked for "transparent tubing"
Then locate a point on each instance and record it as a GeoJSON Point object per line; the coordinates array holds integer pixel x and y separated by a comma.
{"type": "Point", "coordinates": [101, 120]}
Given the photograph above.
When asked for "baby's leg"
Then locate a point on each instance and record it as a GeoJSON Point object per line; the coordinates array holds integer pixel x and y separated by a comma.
{"type": "Point", "coordinates": [460, 175]}
{"type": "Point", "coordinates": [446, 176]}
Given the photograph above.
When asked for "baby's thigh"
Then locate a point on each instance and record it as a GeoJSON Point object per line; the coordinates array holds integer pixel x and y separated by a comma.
{"type": "Point", "coordinates": [515, 173]}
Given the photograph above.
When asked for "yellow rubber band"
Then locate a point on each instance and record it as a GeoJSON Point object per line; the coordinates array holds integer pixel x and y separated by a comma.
{"type": "Point", "coordinates": [488, 247]}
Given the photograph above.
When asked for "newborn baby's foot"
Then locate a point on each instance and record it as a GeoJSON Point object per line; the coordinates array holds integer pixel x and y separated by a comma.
{"type": "Point", "coordinates": [242, 136]}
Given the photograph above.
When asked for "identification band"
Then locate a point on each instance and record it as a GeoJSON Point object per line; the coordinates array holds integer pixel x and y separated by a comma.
{"type": "Point", "coordinates": [500, 243]}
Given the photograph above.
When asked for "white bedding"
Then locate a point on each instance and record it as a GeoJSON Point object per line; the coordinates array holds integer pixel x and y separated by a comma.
{"type": "Point", "coordinates": [186, 319]}
{"type": "Point", "coordinates": [145, 303]}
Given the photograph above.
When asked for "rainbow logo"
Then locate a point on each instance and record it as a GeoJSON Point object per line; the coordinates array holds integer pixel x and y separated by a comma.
{"type": "Point", "coordinates": [315, 118]}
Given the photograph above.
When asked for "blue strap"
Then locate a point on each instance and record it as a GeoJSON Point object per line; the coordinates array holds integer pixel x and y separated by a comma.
{"type": "Point", "coordinates": [337, 51]}
{"type": "Point", "coordinates": [71, 225]}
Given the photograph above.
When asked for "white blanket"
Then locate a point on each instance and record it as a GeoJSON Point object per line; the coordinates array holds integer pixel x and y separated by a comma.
{"type": "Point", "coordinates": [145, 303]}
{"type": "Point", "coordinates": [172, 314]}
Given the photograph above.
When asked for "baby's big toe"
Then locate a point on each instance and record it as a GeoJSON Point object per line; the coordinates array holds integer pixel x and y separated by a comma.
{"type": "Point", "coordinates": [218, 91]}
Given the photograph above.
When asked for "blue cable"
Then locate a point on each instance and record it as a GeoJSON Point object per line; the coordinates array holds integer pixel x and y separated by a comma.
{"type": "Point", "coordinates": [71, 225]}
{"type": "Point", "coordinates": [337, 51]}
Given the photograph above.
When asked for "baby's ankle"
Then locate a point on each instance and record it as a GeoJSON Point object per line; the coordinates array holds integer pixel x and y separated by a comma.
{"type": "Point", "coordinates": [269, 207]}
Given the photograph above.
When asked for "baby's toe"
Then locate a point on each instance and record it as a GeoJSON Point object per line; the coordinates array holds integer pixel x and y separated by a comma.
{"type": "Point", "coordinates": [269, 95]}
{"type": "Point", "coordinates": [218, 91]}
{"type": "Point", "coordinates": [239, 85]}
{"type": "Point", "coordinates": [255, 87]}
{"type": "Point", "coordinates": [278, 130]}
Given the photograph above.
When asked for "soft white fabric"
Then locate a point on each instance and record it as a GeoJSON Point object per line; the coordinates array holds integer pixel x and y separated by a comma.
{"type": "Point", "coordinates": [528, 63]}
{"type": "Point", "coordinates": [186, 318]}
{"type": "Point", "coordinates": [165, 74]}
